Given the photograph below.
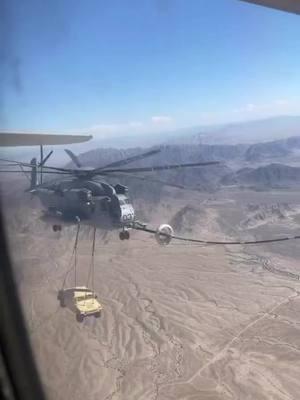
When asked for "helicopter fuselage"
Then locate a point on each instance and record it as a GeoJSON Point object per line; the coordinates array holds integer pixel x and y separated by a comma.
{"type": "Point", "coordinates": [89, 199]}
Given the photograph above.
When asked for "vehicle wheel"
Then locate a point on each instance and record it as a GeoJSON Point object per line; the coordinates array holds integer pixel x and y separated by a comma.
{"type": "Point", "coordinates": [97, 314]}
{"type": "Point", "coordinates": [60, 298]}
{"type": "Point", "coordinates": [55, 228]}
{"type": "Point", "coordinates": [79, 317]}
{"type": "Point", "coordinates": [126, 235]}
{"type": "Point", "coordinates": [62, 303]}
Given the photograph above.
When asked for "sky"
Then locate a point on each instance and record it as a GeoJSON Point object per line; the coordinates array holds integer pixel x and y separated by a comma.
{"type": "Point", "coordinates": [117, 67]}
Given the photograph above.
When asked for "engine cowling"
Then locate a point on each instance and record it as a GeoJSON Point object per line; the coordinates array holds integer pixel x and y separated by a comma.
{"type": "Point", "coordinates": [164, 234]}
{"type": "Point", "coordinates": [85, 195]}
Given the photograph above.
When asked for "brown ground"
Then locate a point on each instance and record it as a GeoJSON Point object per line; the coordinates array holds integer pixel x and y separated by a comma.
{"type": "Point", "coordinates": [179, 322]}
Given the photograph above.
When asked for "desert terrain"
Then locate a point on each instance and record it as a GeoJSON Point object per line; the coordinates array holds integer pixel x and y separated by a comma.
{"type": "Point", "coordinates": [182, 321]}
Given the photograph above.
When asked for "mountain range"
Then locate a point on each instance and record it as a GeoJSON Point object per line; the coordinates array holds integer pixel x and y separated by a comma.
{"type": "Point", "coordinates": [261, 165]}
{"type": "Point", "coordinates": [246, 157]}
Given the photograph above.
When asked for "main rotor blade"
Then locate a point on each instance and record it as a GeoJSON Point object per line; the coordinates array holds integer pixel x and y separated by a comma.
{"type": "Point", "coordinates": [153, 180]}
{"type": "Point", "coordinates": [15, 163]}
{"type": "Point", "coordinates": [13, 172]}
{"type": "Point", "coordinates": [28, 171]}
{"type": "Point", "coordinates": [158, 168]}
{"type": "Point", "coordinates": [73, 158]}
{"type": "Point", "coordinates": [129, 160]}
{"type": "Point", "coordinates": [30, 166]}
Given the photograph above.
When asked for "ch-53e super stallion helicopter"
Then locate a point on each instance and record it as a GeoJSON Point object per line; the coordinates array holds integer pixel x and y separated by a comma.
{"type": "Point", "coordinates": [82, 195]}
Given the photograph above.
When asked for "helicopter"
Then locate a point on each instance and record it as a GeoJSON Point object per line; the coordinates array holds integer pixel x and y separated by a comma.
{"type": "Point", "coordinates": [81, 193]}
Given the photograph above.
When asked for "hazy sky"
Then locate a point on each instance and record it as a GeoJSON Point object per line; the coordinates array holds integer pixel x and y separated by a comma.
{"type": "Point", "coordinates": [124, 66]}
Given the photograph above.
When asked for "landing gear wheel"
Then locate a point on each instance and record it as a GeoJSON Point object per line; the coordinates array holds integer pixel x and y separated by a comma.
{"type": "Point", "coordinates": [56, 228]}
{"type": "Point", "coordinates": [97, 314]}
{"type": "Point", "coordinates": [79, 317]}
{"type": "Point", "coordinates": [122, 236]}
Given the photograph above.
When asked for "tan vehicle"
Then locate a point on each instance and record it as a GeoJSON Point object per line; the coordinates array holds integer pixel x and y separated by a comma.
{"type": "Point", "coordinates": [81, 300]}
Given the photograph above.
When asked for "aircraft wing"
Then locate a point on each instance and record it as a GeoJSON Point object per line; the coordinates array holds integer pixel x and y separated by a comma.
{"type": "Point", "coordinates": [40, 139]}
{"type": "Point", "coordinates": [292, 6]}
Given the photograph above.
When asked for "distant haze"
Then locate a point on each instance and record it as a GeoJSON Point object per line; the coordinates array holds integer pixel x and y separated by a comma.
{"type": "Point", "coordinates": [234, 133]}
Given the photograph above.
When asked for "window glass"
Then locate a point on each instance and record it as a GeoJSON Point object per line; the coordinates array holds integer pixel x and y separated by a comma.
{"type": "Point", "coordinates": [195, 107]}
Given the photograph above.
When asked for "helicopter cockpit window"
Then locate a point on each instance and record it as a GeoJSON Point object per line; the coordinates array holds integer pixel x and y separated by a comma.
{"type": "Point", "coordinates": [166, 181]}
